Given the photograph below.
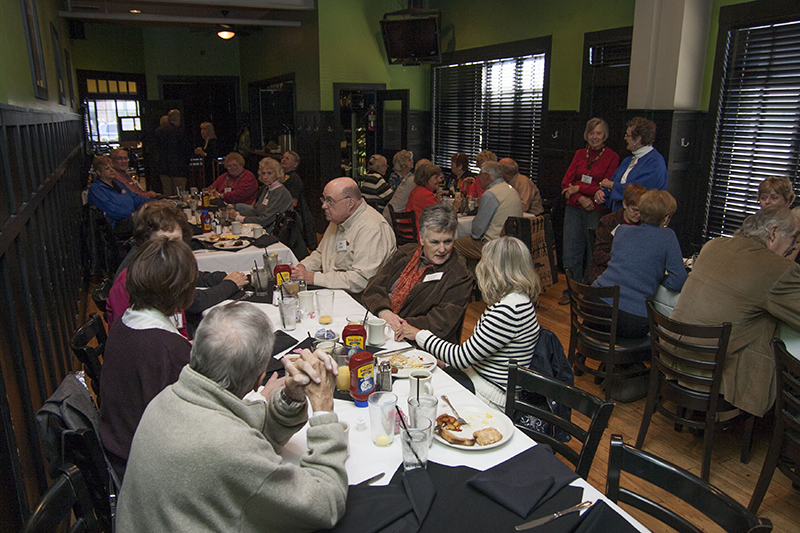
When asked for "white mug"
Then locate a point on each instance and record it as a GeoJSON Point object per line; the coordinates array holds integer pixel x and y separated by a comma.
{"type": "Point", "coordinates": [258, 231]}
{"type": "Point", "coordinates": [236, 228]}
{"type": "Point", "coordinates": [377, 331]}
{"type": "Point", "coordinates": [306, 301]}
{"type": "Point", "coordinates": [420, 380]}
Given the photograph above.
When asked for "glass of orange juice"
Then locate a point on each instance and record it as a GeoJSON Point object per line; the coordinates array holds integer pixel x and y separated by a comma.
{"type": "Point", "coordinates": [325, 306]}
{"type": "Point", "coordinates": [343, 379]}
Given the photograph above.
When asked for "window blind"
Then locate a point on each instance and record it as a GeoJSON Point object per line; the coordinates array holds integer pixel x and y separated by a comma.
{"type": "Point", "coordinates": [495, 105]}
{"type": "Point", "coordinates": [758, 121]}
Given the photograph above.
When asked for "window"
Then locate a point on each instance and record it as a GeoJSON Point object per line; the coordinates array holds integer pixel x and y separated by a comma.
{"type": "Point", "coordinates": [758, 121]}
{"type": "Point", "coordinates": [493, 104]}
{"type": "Point", "coordinates": [102, 119]}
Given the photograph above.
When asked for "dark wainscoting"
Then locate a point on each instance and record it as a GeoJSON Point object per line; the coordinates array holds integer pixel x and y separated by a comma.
{"type": "Point", "coordinates": [40, 268]}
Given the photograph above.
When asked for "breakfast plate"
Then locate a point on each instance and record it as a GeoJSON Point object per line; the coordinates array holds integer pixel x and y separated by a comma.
{"type": "Point", "coordinates": [232, 245]}
{"type": "Point", "coordinates": [409, 361]}
{"type": "Point", "coordinates": [478, 417]}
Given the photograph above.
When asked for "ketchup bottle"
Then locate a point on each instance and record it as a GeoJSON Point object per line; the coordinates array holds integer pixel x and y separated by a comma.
{"type": "Point", "coordinates": [362, 377]}
{"type": "Point", "coordinates": [354, 337]}
{"type": "Point", "coordinates": [282, 273]}
{"type": "Point", "coordinates": [205, 198]}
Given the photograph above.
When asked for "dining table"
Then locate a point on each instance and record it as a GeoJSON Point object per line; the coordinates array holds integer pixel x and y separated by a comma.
{"type": "Point", "coordinates": [241, 260]}
{"type": "Point", "coordinates": [465, 224]}
{"type": "Point", "coordinates": [449, 466]}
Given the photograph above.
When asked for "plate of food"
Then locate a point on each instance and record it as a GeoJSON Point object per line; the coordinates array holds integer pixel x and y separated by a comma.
{"type": "Point", "coordinates": [404, 363]}
{"type": "Point", "coordinates": [213, 237]}
{"type": "Point", "coordinates": [232, 245]}
{"type": "Point", "coordinates": [486, 428]}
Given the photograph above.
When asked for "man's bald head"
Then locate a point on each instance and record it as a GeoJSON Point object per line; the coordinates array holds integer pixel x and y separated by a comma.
{"type": "Point", "coordinates": [341, 198]}
{"type": "Point", "coordinates": [510, 168]}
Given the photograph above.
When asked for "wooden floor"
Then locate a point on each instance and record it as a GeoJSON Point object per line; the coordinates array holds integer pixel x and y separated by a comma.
{"type": "Point", "coordinates": [782, 502]}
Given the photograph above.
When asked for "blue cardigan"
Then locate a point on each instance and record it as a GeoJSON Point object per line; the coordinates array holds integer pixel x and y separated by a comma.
{"type": "Point", "coordinates": [650, 171]}
{"type": "Point", "coordinates": [116, 202]}
{"type": "Point", "coordinates": [639, 257]}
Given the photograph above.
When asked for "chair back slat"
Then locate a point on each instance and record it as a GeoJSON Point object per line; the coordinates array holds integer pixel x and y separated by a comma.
{"type": "Point", "coordinates": [597, 410]}
{"type": "Point", "coordinates": [405, 226]}
{"type": "Point", "coordinates": [709, 500]}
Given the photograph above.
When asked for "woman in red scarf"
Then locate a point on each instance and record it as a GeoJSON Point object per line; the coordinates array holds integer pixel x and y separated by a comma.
{"type": "Point", "coordinates": [426, 285]}
{"type": "Point", "coordinates": [427, 176]}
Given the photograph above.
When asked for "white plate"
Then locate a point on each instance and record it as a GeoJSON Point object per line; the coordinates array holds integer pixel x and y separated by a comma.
{"type": "Point", "coordinates": [426, 360]}
{"type": "Point", "coordinates": [478, 417]}
{"type": "Point", "coordinates": [231, 245]}
{"type": "Point", "coordinates": [207, 237]}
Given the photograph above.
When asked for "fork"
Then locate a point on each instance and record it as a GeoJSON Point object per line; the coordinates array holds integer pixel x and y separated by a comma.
{"type": "Point", "coordinates": [458, 417]}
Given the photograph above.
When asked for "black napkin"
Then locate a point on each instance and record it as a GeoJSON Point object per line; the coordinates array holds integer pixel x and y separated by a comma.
{"type": "Point", "coordinates": [371, 509]}
{"type": "Point", "coordinates": [254, 298]}
{"type": "Point", "coordinates": [601, 518]}
{"type": "Point", "coordinates": [524, 481]}
{"type": "Point", "coordinates": [265, 240]}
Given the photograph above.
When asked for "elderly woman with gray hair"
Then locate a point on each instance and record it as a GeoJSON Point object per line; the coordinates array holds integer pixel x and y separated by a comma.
{"type": "Point", "coordinates": [426, 285]}
{"type": "Point", "coordinates": [748, 281]}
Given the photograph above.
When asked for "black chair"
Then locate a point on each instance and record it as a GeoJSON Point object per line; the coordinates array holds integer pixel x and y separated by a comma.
{"type": "Point", "coordinates": [101, 249]}
{"type": "Point", "coordinates": [784, 450]}
{"type": "Point", "coordinates": [67, 495]}
{"type": "Point", "coordinates": [685, 378]}
{"type": "Point", "coordinates": [536, 234]}
{"type": "Point", "coordinates": [709, 500]}
{"type": "Point", "coordinates": [100, 295]}
{"type": "Point", "coordinates": [405, 226]}
{"type": "Point", "coordinates": [597, 410]}
{"type": "Point", "coordinates": [90, 356]}
{"type": "Point", "coordinates": [593, 335]}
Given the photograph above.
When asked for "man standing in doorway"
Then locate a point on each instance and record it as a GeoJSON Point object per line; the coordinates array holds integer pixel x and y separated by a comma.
{"type": "Point", "coordinates": [174, 152]}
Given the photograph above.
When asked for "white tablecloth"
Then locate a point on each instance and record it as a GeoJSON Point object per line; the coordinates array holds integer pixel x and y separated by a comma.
{"type": "Point", "coordinates": [367, 460]}
{"type": "Point", "coordinates": [241, 261]}
{"type": "Point", "coordinates": [465, 224]}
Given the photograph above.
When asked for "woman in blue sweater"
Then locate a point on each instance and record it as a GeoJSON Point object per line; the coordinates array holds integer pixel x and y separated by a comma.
{"type": "Point", "coordinates": [640, 256]}
{"type": "Point", "coordinates": [645, 166]}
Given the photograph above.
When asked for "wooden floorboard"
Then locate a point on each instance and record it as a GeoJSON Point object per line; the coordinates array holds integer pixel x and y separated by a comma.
{"type": "Point", "coordinates": [782, 502]}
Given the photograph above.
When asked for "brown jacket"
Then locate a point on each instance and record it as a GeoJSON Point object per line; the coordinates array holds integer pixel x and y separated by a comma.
{"type": "Point", "coordinates": [739, 280]}
{"type": "Point", "coordinates": [437, 306]}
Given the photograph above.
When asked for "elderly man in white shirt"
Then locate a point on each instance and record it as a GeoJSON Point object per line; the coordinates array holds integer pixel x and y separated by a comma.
{"type": "Point", "coordinates": [356, 243]}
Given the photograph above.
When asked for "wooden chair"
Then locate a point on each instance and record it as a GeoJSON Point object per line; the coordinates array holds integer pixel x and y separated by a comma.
{"type": "Point", "coordinates": [685, 376]}
{"type": "Point", "coordinates": [405, 227]}
{"type": "Point", "coordinates": [100, 295]}
{"type": "Point", "coordinates": [67, 495]}
{"type": "Point", "coordinates": [536, 234]}
{"type": "Point", "coordinates": [593, 335]}
{"type": "Point", "coordinates": [597, 410]}
{"type": "Point", "coordinates": [709, 500]}
{"type": "Point", "coordinates": [784, 450]}
{"type": "Point", "coordinates": [90, 356]}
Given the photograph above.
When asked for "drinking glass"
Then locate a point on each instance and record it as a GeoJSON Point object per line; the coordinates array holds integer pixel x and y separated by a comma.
{"type": "Point", "coordinates": [381, 417]}
{"type": "Point", "coordinates": [422, 407]}
{"type": "Point", "coordinates": [288, 308]}
{"type": "Point", "coordinates": [416, 440]}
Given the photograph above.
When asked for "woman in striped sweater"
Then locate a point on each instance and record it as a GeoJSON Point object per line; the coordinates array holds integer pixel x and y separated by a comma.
{"type": "Point", "coordinates": [507, 330]}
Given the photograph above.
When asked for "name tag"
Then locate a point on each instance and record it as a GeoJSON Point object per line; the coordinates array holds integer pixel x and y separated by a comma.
{"type": "Point", "coordinates": [614, 231]}
{"type": "Point", "coordinates": [177, 320]}
{"type": "Point", "coordinates": [341, 246]}
{"type": "Point", "coordinates": [265, 201]}
{"type": "Point", "coordinates": [586, 179]}
{"type": "Point", "coordinates": [227, 189]}
{"type": "Point", "coordinates": [436, 276]}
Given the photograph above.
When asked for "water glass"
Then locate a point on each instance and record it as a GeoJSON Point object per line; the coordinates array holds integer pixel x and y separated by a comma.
{"type": "Point", "coordinates": [381, 417]}
{"type": "Point", "coordinates": [415, 442]}
{"type": "Point", "coordinates": [325, 306]}
{"type": "Point", "coordinates": [422, 407]}
{"type": "Point", "coordinates": [288, 308]}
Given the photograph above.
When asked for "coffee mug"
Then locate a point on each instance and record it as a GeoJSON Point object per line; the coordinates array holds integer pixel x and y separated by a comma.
{"type": "Point", "coordinates": [377, 331]}
{"type": "Point", "coordinates": [258, 231]}
{"type": "Point", "coordinates": [236, 228]}
{"type": "Point", "coordinates": [420, 384]}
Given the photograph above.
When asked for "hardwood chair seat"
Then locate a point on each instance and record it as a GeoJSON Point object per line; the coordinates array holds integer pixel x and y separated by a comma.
{"type": "Point", "coordinates": [685, 379]}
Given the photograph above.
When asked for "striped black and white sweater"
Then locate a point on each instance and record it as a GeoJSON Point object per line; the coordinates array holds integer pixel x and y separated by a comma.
{"type": "Point", "coordinates": [506, 330]}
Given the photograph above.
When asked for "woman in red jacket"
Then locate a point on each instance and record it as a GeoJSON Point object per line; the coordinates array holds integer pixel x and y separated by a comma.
{"type": "Point", "coordinates": [427, 176]}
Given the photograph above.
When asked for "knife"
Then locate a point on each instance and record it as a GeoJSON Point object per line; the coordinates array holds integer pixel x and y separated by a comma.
{"type": "Point", "coordinates": [394, 352]}
{"type": "Point", "coordinates": [370, 481]}
{"type": "Point", "coordinates": [545, 519]}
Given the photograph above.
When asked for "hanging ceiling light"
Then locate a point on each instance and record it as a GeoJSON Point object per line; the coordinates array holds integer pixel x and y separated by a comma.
{"type": "Point", "coordinates": [226, 32]}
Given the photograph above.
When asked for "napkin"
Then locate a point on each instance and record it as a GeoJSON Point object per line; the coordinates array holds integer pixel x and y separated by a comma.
{"type": "Point", "coordinates": [265, 240]}
{"type": "Point", "coordinates": [525, 481]}
{"type": "Point", "coordinates": [371, 509]}
{"type": "Point", "coordinates": [600, 518]}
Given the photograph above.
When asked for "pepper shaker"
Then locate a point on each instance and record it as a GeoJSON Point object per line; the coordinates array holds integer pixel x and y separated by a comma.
{"type": "Point", "coordinates": [384, 377]}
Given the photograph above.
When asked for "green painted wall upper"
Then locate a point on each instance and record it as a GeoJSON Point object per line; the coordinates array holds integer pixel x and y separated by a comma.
{"type": "Point", "coordinates": [110, 47]}
{"type": "Point", "coordinates": [473, 23]}
{"type": "Point", "coordinates": [16, 84]}
{"type": "Point", "coordinates": [280, 51]}
{"type": "Point", "coordinates": [351, 51]}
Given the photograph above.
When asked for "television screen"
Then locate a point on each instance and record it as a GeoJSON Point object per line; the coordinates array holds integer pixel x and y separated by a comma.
{"type": "Point", "coordinates": [412, 40]}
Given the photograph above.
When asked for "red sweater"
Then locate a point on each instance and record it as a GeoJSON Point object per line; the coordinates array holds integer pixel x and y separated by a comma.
{"type": "Point", "coordinates": [244, 189]}
{"type": "Point", "coordinates": [602, 168]}
{"type": "Point", "coordinates": [421, 197]}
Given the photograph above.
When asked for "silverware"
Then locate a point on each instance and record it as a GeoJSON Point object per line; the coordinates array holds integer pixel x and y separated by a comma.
{"type": "Point", "coordinates": [394, 352]}
{"type": "Point", "coordinates": [549, 518]}
{"type": "Point", "coordinates": [458, 416]}
{"type": "Point", "coordinates": [371, 480]}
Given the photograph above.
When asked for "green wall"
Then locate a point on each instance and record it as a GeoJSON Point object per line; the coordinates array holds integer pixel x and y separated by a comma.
{"type": "Point", "coordinates": [110, 47]}
{"type": "Point", "coordinates": [351, 51]}
{"type": "Point", "coordinates": [16, 85]}
{"type": "Point", "coordinates": [711, 50]}
{"type": "Point", "coordinates": [278, 51]}
{"type": "Point", "coordinates": [473, 23]}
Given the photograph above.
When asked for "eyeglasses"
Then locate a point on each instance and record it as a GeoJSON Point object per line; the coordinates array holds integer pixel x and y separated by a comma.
{"type": "Point", "coordinates": [330, 201]}
{"type": "Point", "coordinates": [120, 158]}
